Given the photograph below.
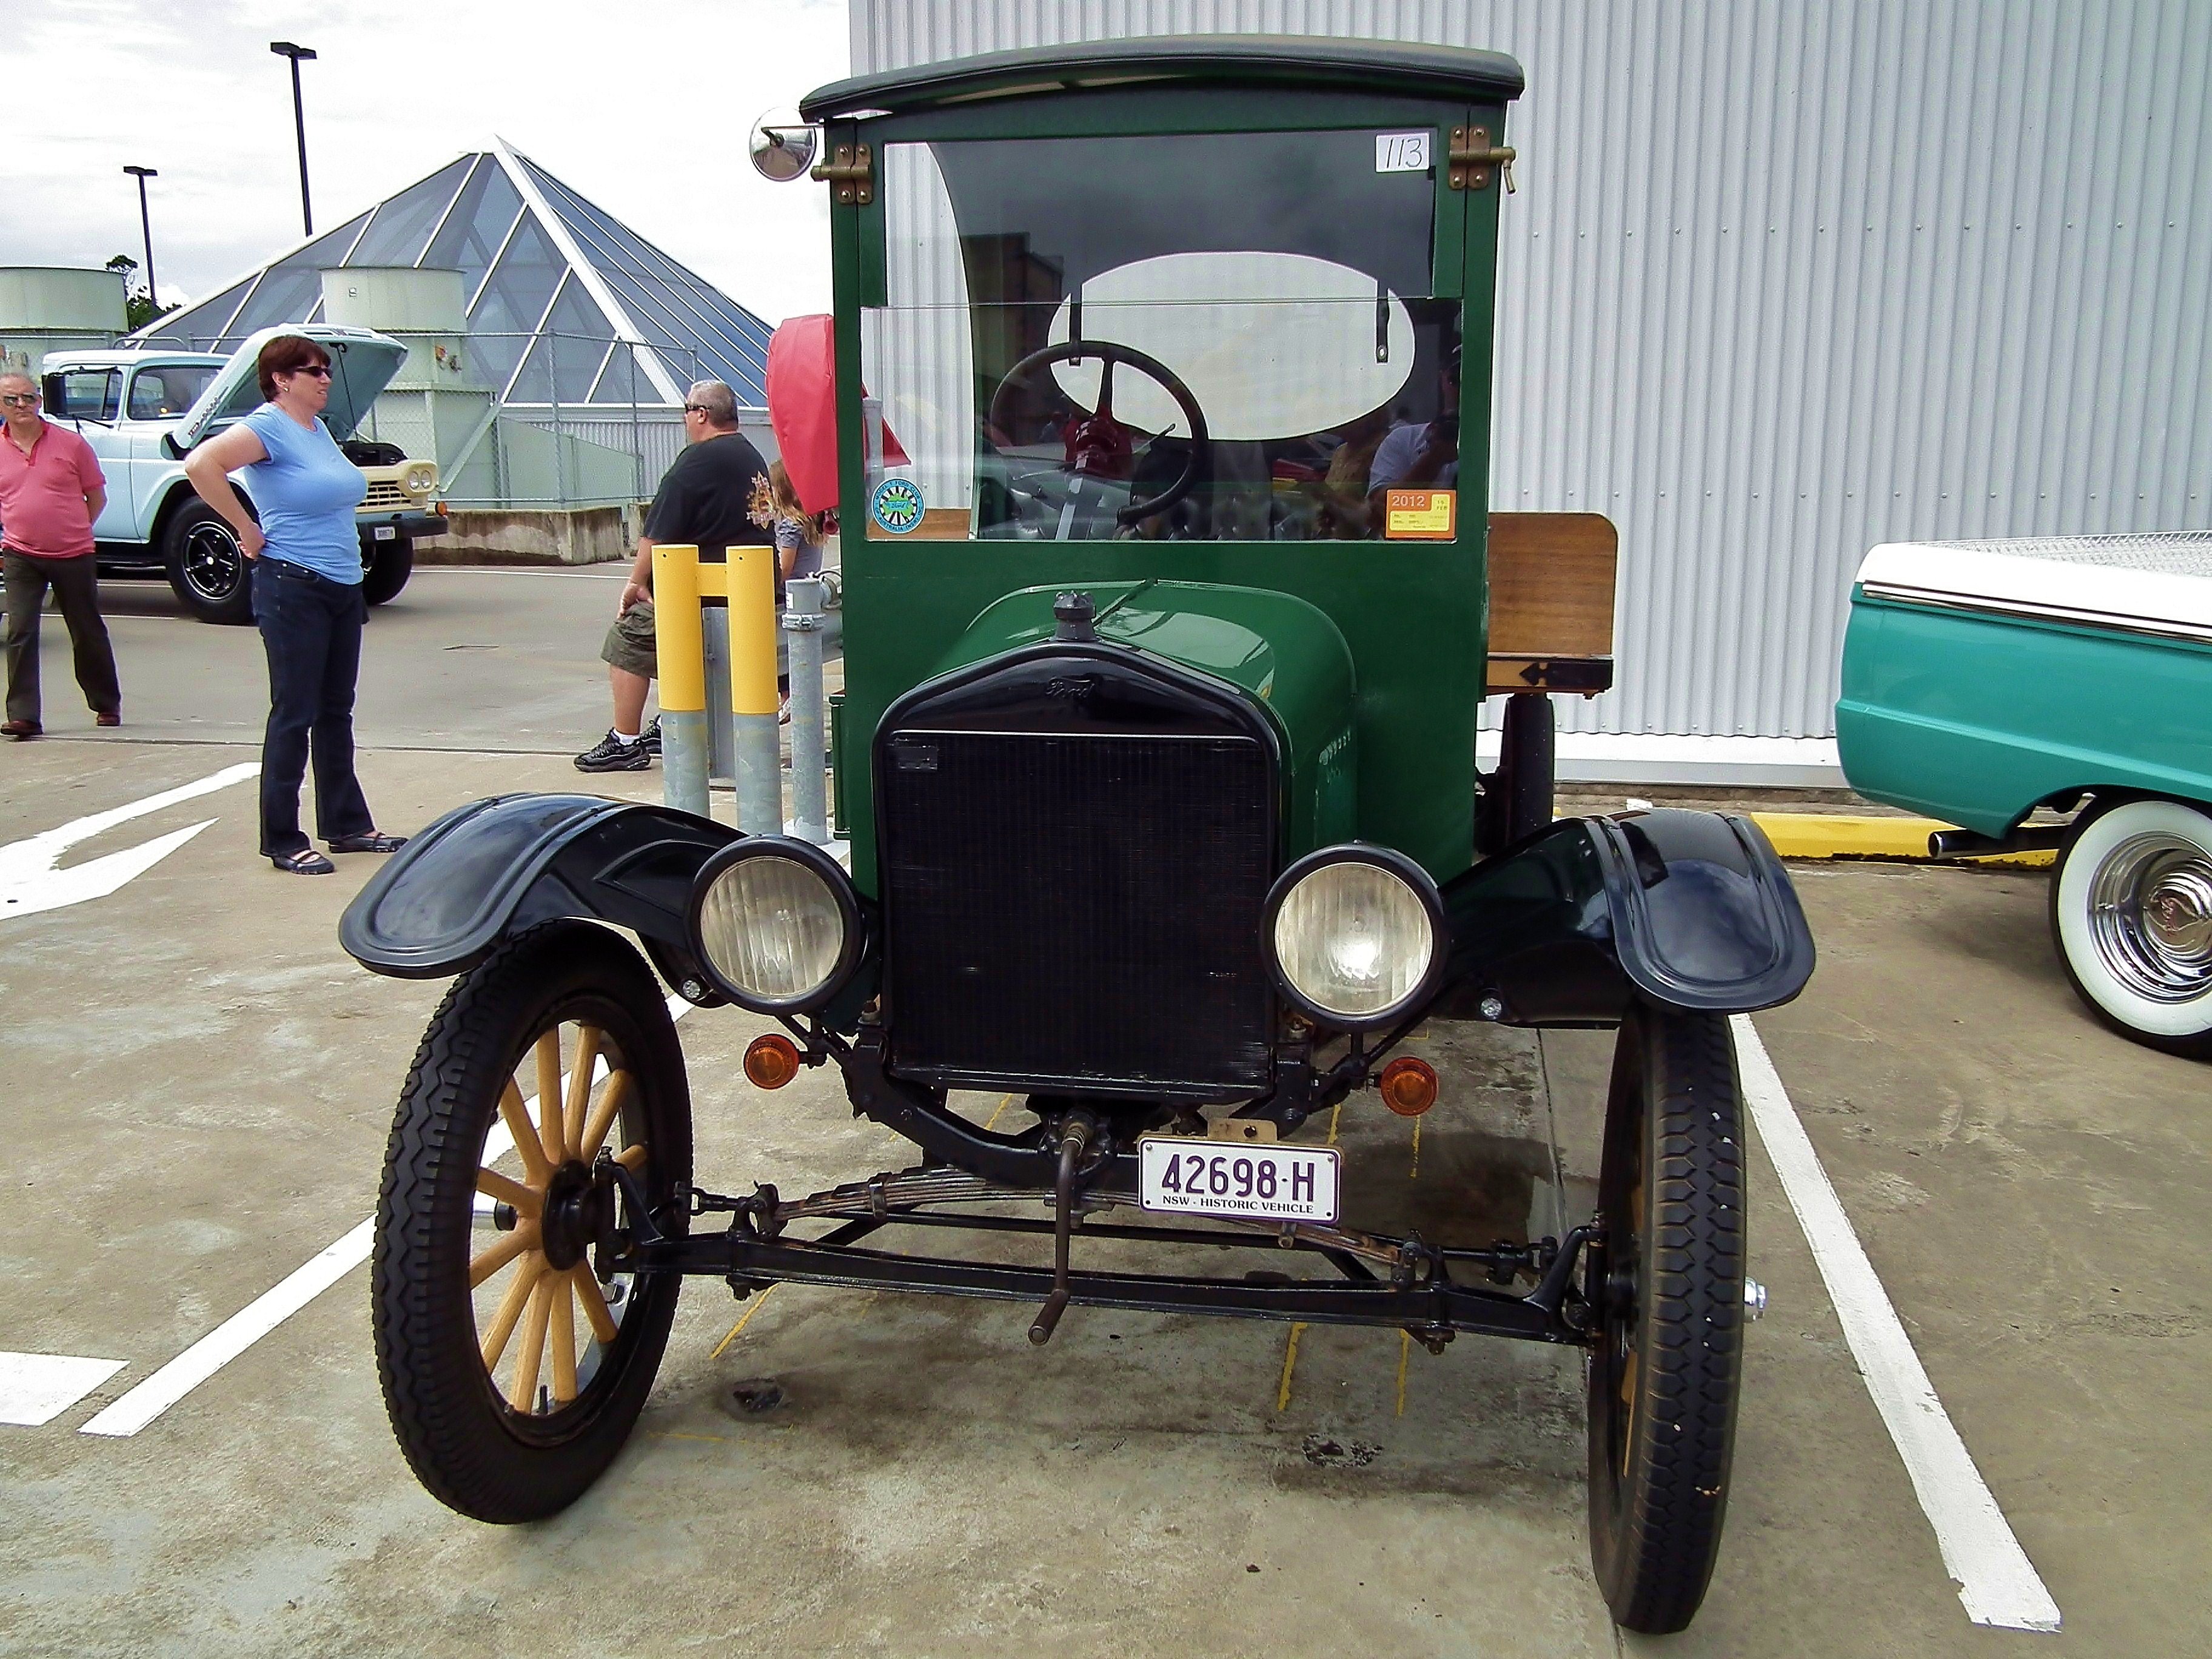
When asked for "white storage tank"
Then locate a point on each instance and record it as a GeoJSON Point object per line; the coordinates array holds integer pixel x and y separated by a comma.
{"type": "Point", "coordinates": [57, 308]}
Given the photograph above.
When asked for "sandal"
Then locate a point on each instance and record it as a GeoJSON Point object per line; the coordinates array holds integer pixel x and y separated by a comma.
{"type": "Point", "coordinates": [373, 842]}
{"type": "Point", "coordinates": [305, 862]}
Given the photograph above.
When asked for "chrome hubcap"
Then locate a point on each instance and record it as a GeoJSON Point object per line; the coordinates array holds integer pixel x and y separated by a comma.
{"type": "Point", "coordinates": [2150, 913]}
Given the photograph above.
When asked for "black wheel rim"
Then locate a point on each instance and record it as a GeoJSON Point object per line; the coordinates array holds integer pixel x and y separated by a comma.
{"type": "Point", "coordinates": [211, 564]}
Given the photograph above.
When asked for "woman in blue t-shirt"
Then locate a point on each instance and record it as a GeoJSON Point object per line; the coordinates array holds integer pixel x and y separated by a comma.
{"type": "Point", "coordinates": [305, 549]}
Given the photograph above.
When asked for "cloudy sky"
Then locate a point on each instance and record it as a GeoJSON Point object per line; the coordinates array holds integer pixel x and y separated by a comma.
{"type": "Point", "coordinates": [642, 106]}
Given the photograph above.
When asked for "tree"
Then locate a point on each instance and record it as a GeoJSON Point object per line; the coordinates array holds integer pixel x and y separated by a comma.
{"type": "Point", "coordinates": [138, 309]}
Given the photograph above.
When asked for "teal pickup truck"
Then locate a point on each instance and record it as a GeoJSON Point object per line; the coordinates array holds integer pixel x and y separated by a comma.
{"type": "Point", "coordinates": [142, 412]}
{"type": "Point", "coordinates": [1985, 680]}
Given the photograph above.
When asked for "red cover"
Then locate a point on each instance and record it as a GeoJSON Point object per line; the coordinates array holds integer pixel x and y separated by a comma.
{"type": "Point", "coordinates": [802, 409]}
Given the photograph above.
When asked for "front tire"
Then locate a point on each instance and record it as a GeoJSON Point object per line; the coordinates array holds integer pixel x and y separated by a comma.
{"type": "Point", "coordinates": [387, 569]}
{"type": "Point", "coordinates": [2131, 913]}
{"type": "Point", "coordinates": [512, 1377]}
{"type": "Point", "coordinates": [210, 574]}
{"type": "Point", "coordinates": [1669, 1285]}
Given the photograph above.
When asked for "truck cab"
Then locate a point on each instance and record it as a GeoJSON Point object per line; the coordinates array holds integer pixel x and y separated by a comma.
{"type": "Point", "coordinates": [142, 412]}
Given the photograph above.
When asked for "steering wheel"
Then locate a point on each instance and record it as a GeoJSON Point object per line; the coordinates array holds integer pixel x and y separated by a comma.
{"type": "Point", "coordinates": [1099, 441]}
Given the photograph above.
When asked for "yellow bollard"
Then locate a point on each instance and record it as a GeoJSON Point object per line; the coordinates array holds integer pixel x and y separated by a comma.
{"type": "Point", "coordinates": [750, 590]}
{"type": "Point", "coordinates": [678, 641]}
{"type": "Point", "coordinates": [752, 630]}
{"type": "Point", "coordinates": [680, 648]}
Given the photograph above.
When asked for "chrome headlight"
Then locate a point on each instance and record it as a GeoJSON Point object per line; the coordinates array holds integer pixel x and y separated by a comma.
{"type": "Point", "coordinates": [1356, 934]}
{"type": "Point", "coordinates": [421, 479]}
{"type": "Point", "coordinates": [775, 924]}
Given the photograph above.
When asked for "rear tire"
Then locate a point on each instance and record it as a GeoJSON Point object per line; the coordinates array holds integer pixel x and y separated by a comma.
{"type": "Point", "coordinates": [2131, 916]}
{"type": "Point", "coordinates": [210, 577]}
{"type": "Point", "coordinates": [386, 569]}
{"type": "Point", "coordinates": [496, 1438]}
{"type": "Point", "coordinates": [1669, 1285]}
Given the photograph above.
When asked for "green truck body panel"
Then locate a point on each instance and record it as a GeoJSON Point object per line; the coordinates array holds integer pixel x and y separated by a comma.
{"type": "Point", "coordinates": [1286, 656]}
{"type": "Point", "coordinates": [1976, 717]}
{"type": "Point", "coordinates": [1413, 615]}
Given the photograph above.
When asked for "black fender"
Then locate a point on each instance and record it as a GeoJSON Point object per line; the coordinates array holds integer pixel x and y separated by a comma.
{"type": "Point", "coordinates": [486, 871]}
{"type": "Point", "coordinates": [1689, 910]}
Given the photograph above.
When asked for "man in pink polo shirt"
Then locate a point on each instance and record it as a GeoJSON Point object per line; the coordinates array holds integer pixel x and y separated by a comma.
{"type": "Point", "coordinates": [50, 490]}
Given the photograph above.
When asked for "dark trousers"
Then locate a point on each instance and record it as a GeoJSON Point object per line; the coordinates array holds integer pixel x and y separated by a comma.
{"type": "Point", "coordinates": [311, 627]}
{"type": "Point", "coordinates": [77, 586]}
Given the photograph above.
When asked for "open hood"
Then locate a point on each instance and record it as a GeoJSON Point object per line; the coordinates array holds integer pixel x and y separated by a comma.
{"type": "Point", "coordinates": [362, 364]}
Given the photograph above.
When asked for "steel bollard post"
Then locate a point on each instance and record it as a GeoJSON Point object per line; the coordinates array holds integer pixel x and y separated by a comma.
{"type": "Point", "coordinates": [678, 646]}
{"type": "Point", "coordinates": [721, 734]}
{"type": "Point", "coordinates": [752, 688]}
{"type": "Point", "coordinates": [802, 620]}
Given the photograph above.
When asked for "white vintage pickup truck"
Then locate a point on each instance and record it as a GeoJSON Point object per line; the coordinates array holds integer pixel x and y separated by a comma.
{"type": "Point", "coordinates": [142, 412]}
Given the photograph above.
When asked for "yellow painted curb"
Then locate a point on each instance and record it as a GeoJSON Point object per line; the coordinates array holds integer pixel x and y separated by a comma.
{"type": "Point", "coordinates": [1841, 836]}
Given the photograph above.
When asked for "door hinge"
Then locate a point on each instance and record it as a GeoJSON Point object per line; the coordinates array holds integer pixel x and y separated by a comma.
{"type": "Point", "coordinates": [1472, 157]}
{"type": "Point", "coordinates": [851, 174]}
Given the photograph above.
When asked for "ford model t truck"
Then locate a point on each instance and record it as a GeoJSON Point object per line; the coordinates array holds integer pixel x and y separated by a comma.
{"type": "Point", "coordinates": [142, 412]}
{"type": "Point", "coordinates": [1164, 650]}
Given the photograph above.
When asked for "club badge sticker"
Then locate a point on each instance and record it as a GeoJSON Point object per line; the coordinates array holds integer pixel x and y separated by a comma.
{"type": "Point", "coordinates": [896, 506]}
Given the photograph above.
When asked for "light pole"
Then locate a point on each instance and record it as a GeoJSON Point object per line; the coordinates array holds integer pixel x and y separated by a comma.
{"type": "Point", "coordinates": [286, 49]}
{"type": "Point", "coordinates": [146, 225]}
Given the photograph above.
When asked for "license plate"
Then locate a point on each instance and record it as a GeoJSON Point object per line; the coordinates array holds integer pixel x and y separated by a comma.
{"type": "Point", "coordinates": [384, 532]}
{"type": "Point", "coordinates": [1253, 1181]}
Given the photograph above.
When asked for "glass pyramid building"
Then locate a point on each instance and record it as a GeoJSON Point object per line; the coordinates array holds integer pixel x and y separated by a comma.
{"type": "Point", "coordinates": [564, 307]}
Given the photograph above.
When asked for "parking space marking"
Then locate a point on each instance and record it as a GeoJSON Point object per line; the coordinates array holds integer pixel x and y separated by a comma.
{"type": "Point", "coordinates": [200, 1361]}
{"type": "Point", "coordinates": [31, 880]}
{"type": "Point", "coordinates": [759, 1302]}
{"type": "Point", "coordinates": [37, 1388]}
{"type": "Point", "coordinates": [1996, 1582]}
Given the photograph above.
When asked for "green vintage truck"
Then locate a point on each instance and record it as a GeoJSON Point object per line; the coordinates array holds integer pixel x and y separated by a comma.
{"type": "Point", "coordinates": [1168, 616]}
{"type": "Point", "coordinates": [1988, 683]}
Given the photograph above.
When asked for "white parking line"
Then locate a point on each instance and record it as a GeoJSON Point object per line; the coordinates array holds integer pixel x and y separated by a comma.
{"type": "Point", "coordinates": [167, 1386]}
{"type": "Point", "coordinates": [37, 1388]}
{"type": "Point", "coordinates": [1996, 1582]}
{"type": "Point", "coordinates": [32, 880]}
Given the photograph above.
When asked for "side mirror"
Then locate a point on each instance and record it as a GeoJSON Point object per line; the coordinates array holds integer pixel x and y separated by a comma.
{"type": "Point", "coordinates": [780, 146]}
{"type": "Point", "coordinates": [169, 446]}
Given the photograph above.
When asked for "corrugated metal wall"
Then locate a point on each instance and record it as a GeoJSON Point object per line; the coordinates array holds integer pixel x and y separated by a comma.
{"type": "Point", "coordinates": [1786, 280]}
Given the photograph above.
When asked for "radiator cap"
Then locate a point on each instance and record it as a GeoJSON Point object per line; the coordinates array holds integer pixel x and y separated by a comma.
{"type": "Point", "coordinates": [1073, 611]}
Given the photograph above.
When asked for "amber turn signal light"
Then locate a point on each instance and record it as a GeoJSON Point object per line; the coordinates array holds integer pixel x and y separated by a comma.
{"type": "Point", "coordinates": [771, 1060]}
{"type": "Point", "coordinates": [1408, 1085]}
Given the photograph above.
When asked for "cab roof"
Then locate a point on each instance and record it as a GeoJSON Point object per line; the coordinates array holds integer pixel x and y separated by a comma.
{"type": "Point", "coordinates": [1396, 67]}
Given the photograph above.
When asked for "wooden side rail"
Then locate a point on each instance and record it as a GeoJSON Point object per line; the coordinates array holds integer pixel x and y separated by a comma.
{"type": "Point", "coordinates": [1551, 602]}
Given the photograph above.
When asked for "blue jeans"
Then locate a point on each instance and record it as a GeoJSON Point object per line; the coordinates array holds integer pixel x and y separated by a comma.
{"type": "Point", "coordinates": [311, 627]}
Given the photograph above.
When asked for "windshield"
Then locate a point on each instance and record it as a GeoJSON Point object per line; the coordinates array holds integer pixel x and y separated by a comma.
{"type": "Point", "coordinates": [1227, 336]}
{"type": "Point", "coordinates": [168, 389]}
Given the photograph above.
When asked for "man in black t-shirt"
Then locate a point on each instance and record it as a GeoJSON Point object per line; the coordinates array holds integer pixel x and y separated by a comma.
{"type": "Point", "coordinates": [705, 499]}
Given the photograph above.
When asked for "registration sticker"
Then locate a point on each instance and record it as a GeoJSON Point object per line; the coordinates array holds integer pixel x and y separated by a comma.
{"type": "Point", "coordinates": [384, 532]}
{"type": "Point", "coordinates": [1421, 515]}
{"type": "Point", "coordinates": [1262, 1180]}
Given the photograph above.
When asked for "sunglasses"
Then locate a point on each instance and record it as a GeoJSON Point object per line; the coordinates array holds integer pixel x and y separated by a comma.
{"type": "Point", "coordinates": [323, 373]}
{"type": "Point", "coordinates": [695, 408]}
{"type": "Point", "coordinates": [19, 399]}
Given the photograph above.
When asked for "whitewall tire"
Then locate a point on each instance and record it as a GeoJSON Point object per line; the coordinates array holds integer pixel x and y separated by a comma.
{"type": "Point", "coordinates": [2131, 911]}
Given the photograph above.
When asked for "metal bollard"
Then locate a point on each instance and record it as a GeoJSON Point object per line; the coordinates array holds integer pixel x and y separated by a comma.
{"type": "Point", "coordinates": [752, 689]}
{"type": "Point", "coordinates": [721, 734]}
{"type": "Point", "coordinates": [681, 661]}
{"type": "Point", "coordinates": [802, 620]}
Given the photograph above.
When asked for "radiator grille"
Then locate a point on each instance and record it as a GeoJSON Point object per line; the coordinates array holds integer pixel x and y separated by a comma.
{"type": "Point", "coordinates": [385, 492]}
{"type": "Point", "coordinates": [1076, 912]}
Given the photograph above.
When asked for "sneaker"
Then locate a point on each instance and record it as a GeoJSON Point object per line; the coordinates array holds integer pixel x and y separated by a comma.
{"type": "Point", "coordinates": [611, 754]}
{"type": "Point", "coordinates": [650, 742]}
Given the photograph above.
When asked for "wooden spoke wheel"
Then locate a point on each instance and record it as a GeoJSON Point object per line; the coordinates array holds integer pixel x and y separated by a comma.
{"type": "Point", "coordinates": [1669, 1287]}
{"type": "Point", "coordinates": [512, 1374]}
